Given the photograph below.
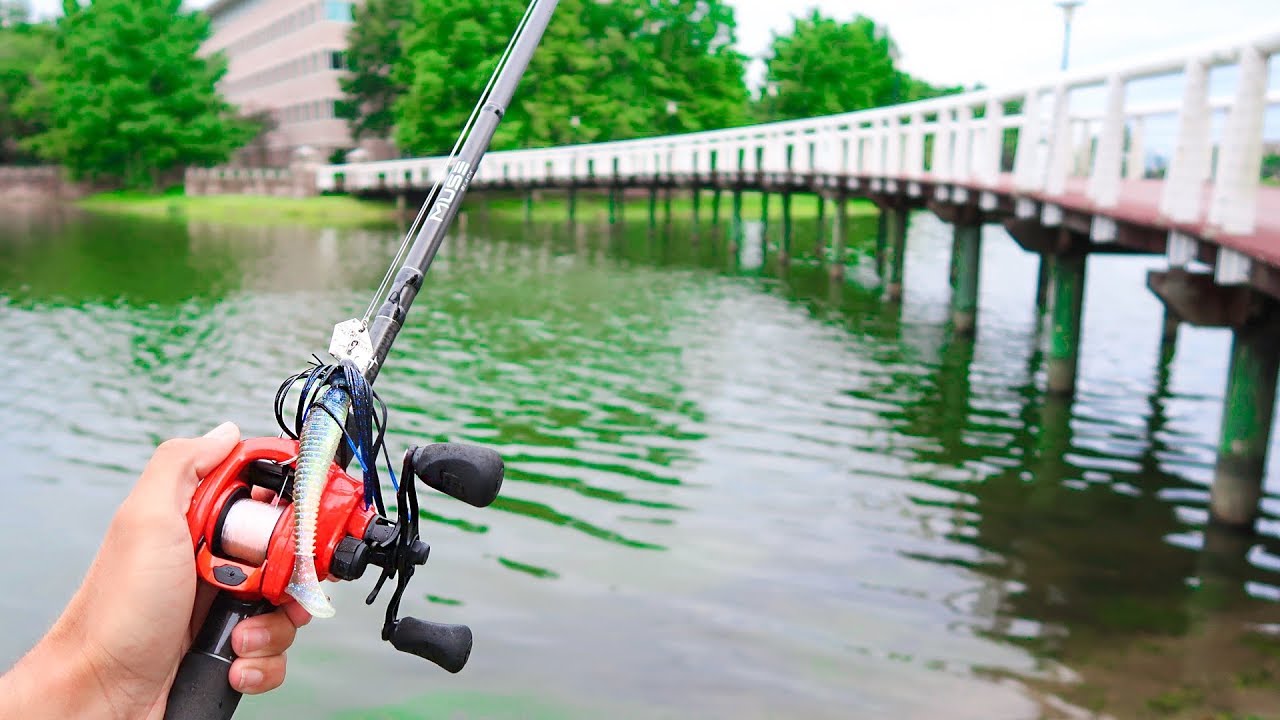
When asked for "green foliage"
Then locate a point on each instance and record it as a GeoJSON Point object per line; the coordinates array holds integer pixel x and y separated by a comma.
{"type": "Point", "coordinates": [22, 48]}
{"type": "Point", "coordinates": [126, 97]}
{"type": "Point", "coordinates": [825, 66]}
{"type": "Point", "coordinates": [373, 51]}
{"type": "Point", "coordinates": [618, 67]}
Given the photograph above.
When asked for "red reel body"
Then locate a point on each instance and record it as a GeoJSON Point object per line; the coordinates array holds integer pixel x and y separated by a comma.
{"type": "Point", "coordinates": [342, 513]}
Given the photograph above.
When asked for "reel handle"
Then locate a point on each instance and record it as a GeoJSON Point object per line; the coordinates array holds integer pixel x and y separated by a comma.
{"type": "Point", "coordinates": [448, 646]}
{"type": "Point", "coordinates": [469, 473]}
{"type": "Point", "coordinates": [202, 688]}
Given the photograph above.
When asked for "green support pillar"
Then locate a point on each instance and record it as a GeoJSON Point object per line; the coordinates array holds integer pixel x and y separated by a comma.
{"type": "Point", "coordinates": [1042, 283]}
{"type": "Point", "coordinates": [840, 224]}
{"type": "Point", "coordinates": [653, 206]}
{"type": "Point", "coordinates": [1067, 311]}
{"type": "Point", "coordinates": [764, 219]}
{"type": "Point", "coordinates": [1246, 423]}
{"type": "Point", "coordinates": [715, 207]}
{"type": "Point", "coordinates": [882, 241]}
{"type": "Point", "coordinates": [967, 263]}
{"type": "Point", "coordinates": [613, 205]}
{"type": "Point", "coordinates": [573, 205]}
{"type": "Point", "coordinates": [528, 208]}
{"type": "Point", "coordinates": [666, 209]}
{"type": "Point", "coordinates": [896, 227]}
{"type": "Point", "coordinates": [697, 200]}
{"type": "Point", "coordinates": [785, 257]}
{"type": "Point", "coordinates": [735, 230]}
{"type": "Point", "coordinates": [820, 242]}
{"type": "Point", "coordinates": [1169, 334]}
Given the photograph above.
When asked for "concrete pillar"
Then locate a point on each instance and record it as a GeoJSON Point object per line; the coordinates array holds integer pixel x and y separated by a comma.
{"type": "Point", "coordinates": [613, 205]}
{"type": "Point", "coordinates": [897, 237]}
{"type": "Point", "coordinates": [1169, 334]}
{"type": "Point", "coordinates": [697, 201]}
{"type": "Point", "coordinates": [785, 256]}
{"type": "Point", "coordinates": [573, 205]}
{"type": "Point", "coordinates": [1042, 283]}
{"type": "Point", "coordinates": [764, 218]}
{"type": "Point", "coordinates": [653, 206]}
{"type": "Point", "coordinates": [735, 228]}
{"type": "Point", "coordinates": [715, 207]}
{"type": "Point", "coordinates": [1246, 424]}
{"type": "Point", "coordinates": [820, 242]}
{"type": "Point", "coordinates": [528, 207]}
{"type": "Point", "coordinates": [882, 241]}
{"type": "Point", "coordinates": [1067, 311]}
{"type": "Point", "coordinates": [968, 261]}
{"type": "Point", "coordinates": [838, 229]}
{"type": "Point", "coordinates": [666, 206]}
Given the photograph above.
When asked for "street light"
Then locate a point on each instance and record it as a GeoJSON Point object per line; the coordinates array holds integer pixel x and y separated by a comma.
{"type": "Point", "coordinates": [1068, 10]}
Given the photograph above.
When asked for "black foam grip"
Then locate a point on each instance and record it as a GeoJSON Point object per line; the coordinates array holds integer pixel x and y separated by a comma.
{"type": "Point", "coordinates": [448, 646]}
{"type": "Point", "coordinates": [201, 690]}
{"type": "Point", "coordinates": [469, 473]}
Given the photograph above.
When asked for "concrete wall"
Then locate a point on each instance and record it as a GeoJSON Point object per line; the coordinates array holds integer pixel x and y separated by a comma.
{"type": "Point", "coordinates": [27, 185]}
{"type": "Point", "coordinates": [298, 181]}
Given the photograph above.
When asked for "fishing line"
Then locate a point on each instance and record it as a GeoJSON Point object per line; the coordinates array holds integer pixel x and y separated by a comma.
{"type": "Point", "coordinates": [384, 286]}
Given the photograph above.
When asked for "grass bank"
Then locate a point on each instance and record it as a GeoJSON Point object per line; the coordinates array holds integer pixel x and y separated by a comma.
{"type": "Point", "coordinates": [327, 210]}
{"type": "Point", "coordinates": [551, 206]}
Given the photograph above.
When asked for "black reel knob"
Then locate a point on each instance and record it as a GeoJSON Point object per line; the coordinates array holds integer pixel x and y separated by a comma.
{"type": "Point", "coordinates": [468, 473]}
{"type": "Point", "coordinates": [448, 646]}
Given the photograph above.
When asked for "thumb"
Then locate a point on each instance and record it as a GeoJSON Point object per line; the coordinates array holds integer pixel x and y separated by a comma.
{"type": "Point", "coordinates": [178, 465]}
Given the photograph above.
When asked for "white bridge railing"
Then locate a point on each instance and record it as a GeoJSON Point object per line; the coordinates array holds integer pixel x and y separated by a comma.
{"type": "Point", "coordinates": [1056, 130]}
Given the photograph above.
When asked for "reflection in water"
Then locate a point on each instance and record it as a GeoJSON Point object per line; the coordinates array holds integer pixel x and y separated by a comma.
{"type": "Point", "coordinates": [734, 489]}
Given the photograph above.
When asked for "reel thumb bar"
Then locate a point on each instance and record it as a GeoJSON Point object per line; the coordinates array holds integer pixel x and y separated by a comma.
{"type": "Point", "coordinates": [443, 206]}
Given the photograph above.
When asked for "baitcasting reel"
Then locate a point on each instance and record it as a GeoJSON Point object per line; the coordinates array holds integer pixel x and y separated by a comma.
{"type": "Point", "coordinates": [245, 548]}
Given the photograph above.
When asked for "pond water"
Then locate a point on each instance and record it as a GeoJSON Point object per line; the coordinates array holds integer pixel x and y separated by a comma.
{"type": "Point", "coordinates": [733, 489]}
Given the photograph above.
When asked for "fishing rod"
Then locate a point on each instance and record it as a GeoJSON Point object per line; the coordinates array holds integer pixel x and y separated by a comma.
{"type": "Point", "coordinates": [281, 513]}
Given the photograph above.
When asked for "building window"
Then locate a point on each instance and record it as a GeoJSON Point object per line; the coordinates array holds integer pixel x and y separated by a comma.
{"type": "Point", "coordinates": [337, 60]}
{"type": "Point", "coordinates": [338, 10]}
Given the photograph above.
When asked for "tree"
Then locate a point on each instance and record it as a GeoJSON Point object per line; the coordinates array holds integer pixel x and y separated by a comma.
{"type": "Point", "coordinates": [22, 48]}
{"type": "Point", "coordinates": [617, 67]}
{"type": "Point", "coordinates": [824, 66]}
{"type": "Point", "coordinates": [373, 51]}
{"type": "Point", "coordinates": [127, 97]}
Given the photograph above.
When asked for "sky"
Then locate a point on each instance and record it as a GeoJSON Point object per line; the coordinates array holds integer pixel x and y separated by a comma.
{"type": "Point", "coordinates": [999, 42]}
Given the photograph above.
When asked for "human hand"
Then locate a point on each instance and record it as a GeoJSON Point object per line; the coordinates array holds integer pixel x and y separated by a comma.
{"type": "Point", "coordinates": [115, 650]}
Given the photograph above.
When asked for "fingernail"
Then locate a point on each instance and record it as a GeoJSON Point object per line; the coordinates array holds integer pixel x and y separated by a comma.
{"type": "Point", "coordinates": [250, 678]}
{"type": "Point", "coordinates": [253, 639]}
{"type": "Point", "coordinates": [226, 429]}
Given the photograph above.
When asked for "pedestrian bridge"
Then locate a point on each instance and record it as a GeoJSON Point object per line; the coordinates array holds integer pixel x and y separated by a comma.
{"type": "Point", "coordinates": [1159, 155]}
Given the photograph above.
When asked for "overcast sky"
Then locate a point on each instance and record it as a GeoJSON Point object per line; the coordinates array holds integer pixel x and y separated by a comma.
{"type": "Point", "coordinates": [1000, 42]}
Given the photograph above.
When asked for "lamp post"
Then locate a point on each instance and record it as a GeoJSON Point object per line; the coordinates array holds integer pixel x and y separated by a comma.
{"type": "Point", "coordinates": [1068, 11]}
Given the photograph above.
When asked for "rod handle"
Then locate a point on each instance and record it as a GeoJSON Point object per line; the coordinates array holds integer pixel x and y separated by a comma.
{"type": "Point", "coordinates": [202, 688]}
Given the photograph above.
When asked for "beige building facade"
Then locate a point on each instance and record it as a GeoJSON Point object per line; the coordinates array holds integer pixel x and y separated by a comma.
{"type": "Point", "coordinates": [285, 57]}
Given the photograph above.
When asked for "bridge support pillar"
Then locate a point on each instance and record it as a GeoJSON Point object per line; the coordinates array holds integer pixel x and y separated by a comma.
{"type": "Point", "coordinates": [1042, 283]}
{"type": "Point", "coordinates": [614, 215]}
{"type": "Point", "coordinates": [402, 204]}
{"type": "Point", "coordinates": [697, 202]}
{"type": "Point", "coordinates": [764, 219]}
{"type": "Point", "coordinates": [653, 206]}
{"type": "Point", "coordinates": [573, 205]}
{"type": "Point", "coordinates": [820, 244]}
{"type": "Point", "coordinates": [1067, 311]}
{"type": "Point", "coordinates": [897, 237]}
{"type": "Point", "coordinates": [967, 261]}
{"type": "Point", "coordinates": [735, 227]}
{"type": "Point", "coordinates": [1169, 334]}
{"type": "Point", "coordinates": [528, 207]}
{"type": "Point", "coordinates": [882, 242]}
{"type": "Point", "coordinates": [839, 225]}
{"type": "Point", "coordinates": [1246, 423]}
{"type": "Point", "coordinates": [666, 206]}
{"type": "Point", "coordinates": [715, 207]}
{"type": "Point", "coordinates": [785, 256]}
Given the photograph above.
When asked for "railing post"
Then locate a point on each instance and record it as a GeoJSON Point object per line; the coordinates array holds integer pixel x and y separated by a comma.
{"type": "Point", "coordinates": [1029, 133]}
{"type": "Point", "coordinates": [941, 166]}
{"type": "Point", "coordinates": [913, 164]}
{"type": "Point", "coordinates": [992, 142]}
{"type": "Point", "coordinates": [1104, 179]}
{"type": "Point", "coordinates": [962, 155]}
{"type": "Point", "coordinates": [1180, 200]}
{"type": "Point", "coordinates": [1055, 179]}
{"type": "Point", "coordinates": [1235, 190]}
{"type": "Point", "coordinates": [893, 149]}
{"type": "Point", "coordinates": [1136, 159]}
